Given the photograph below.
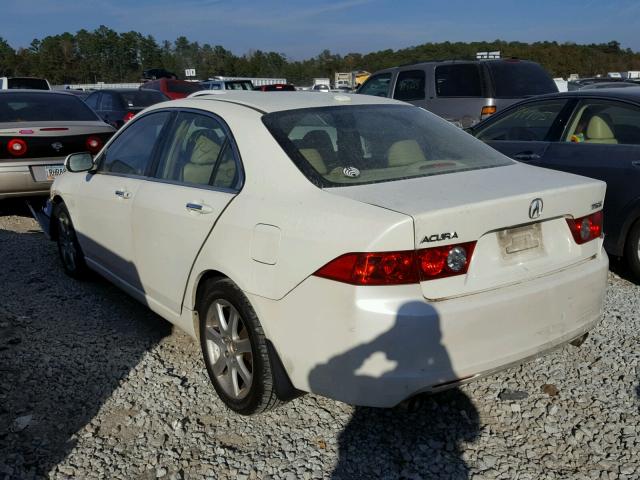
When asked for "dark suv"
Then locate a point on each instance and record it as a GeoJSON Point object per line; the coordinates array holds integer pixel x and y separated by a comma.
{"type": "Point", "coordinates": [461, 91]}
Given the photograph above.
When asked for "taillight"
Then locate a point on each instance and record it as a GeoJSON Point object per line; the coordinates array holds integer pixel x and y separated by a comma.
{"type": "Point", "coordinates": [586, 228]}
{"type": "Point", "coordinates": [17, 147]}
{"type": "Point", "coordinates": [399, 268]}
{"type": "Point", "coordinates": [129, 116]}
{"type": "Point", "coordinates": [93, 144]}
{"type": "Point", "coordinates": [447, 261]}
{"type": "Point", "coordinates": [487, 111]}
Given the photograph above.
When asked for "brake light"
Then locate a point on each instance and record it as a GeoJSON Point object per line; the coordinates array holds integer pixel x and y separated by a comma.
{"type": "Point", "coordinates": [17, 147]}
{"type": "Point", "coordinates": [487, 111]}
{"type": "Point", "coordinates": [93, 144]}
{"type": "Point", "coordinates": [585, 229]}
{"type": "Point", "coordinates": [399, 268]}
{"type": "Point", "coordinates": [129, 116]}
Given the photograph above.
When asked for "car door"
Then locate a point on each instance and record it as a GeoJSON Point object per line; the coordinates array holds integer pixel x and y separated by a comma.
{"type": "Point", "coordinates": [602, 140]}
{"type": "Point", "coordinates": [526, 131]}
{"type": "Point", "coordinates": [102, 204]}
{"type": "Point", "coordinates": [197, 174]}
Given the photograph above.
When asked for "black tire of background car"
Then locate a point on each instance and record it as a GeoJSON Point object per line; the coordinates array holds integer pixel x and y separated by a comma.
{"type": "Point", "coordinates": [632, 254]}
{"type": "Point", "coordinates": [80, 269]}
{"type": "Point", "coordinates": [262, 394]}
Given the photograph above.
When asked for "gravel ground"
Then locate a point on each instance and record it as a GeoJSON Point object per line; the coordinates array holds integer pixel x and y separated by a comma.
{"type": "Point", "coordinates": [94, 385]}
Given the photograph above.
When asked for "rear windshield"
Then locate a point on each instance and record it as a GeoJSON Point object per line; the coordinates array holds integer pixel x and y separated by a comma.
{"type": "Point", "coordinates": [27, 83]}
{"type": "Point", "coordinates": [143, 98]}
{"type": "Point", "coordinates": [43, 107]}
{"type": "Point", "coordinates": [519, 79]}
{"type": "Point", "coordinates": [355, 145]}
{"type": "Point", "coordinates": [182, 87]}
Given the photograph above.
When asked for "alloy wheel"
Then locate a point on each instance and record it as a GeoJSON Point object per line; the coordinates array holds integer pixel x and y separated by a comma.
{"type": "Point", "coordinates": [229, 349]}
{"type": "Point", "coordinates": [66, 242]}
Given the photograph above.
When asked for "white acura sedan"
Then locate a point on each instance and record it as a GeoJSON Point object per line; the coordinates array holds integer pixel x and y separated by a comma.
{"type": "Point", "coordinates": [351, 246]}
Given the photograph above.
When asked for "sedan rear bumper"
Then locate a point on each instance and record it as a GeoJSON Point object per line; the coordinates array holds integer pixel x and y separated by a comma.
{"type": "Point", "coordinates": [377, 346]}
{"type": "Point", "coordinates": [25, 178]}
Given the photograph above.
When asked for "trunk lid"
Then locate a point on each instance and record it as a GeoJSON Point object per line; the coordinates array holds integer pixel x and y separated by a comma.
{"type": "Point", "coordinates": [491, 206]}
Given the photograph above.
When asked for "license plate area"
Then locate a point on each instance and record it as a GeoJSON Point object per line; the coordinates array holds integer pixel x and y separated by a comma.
{"type": "Point", "coordinates": [526, 240]}
{"type": "Point", "coordinates": [53, 171]}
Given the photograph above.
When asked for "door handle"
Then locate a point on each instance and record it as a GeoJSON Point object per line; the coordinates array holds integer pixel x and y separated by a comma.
{"type": "Point", "coordinates": [527, 156]}
{"type": "Point", "coordinates": [123, 194]}
{"type": "Point", "coordinates": [198, 208]}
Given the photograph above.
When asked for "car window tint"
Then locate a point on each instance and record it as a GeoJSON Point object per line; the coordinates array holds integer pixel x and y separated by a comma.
{"type": "Point", "coordinates": [226, 175]}
{"type": "Point", "coordinates": [195, 151]}
{"type": "Point", "coordinates": [516, 79]}
{"type": "Point", "coordinates": [458, 80]}
{"type": "Point", "coordinates": [179, 86]}
{"type": "Point", "coordinates": [142, 98]}
{"type": "Point", "coordinates": [410, 85]}
{"type": "Point", "coordinates": [604, 122]}
{"type": "Point", "coordinates": [130, 153]}
{"type": "Point", "coordinates": [378, 85]}
{"type": "Point", "coordinates": [92, 100]}
{"type": "Point", "coordinates": [530, 122]}
{"type": "Point", "coordinates": [17, 106]}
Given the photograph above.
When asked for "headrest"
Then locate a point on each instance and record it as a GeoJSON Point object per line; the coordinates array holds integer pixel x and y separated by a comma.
{"type": "Point", "coordinates": [599, 129]}
{"type": "Point", "coordinates": [405, 152]}
{"type": "Point", "coordinates": [205, 151]}
{"type": "Point", "coordinates": [315, 159]}
{"type": "Point", "coordinates": [317, 138]}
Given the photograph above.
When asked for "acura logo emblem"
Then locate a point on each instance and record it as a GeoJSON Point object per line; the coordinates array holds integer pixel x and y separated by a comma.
{"type": "Point", "coordinates": [535, 209]}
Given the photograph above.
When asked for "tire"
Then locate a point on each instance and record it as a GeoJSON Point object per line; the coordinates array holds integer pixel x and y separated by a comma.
{"type": "Point", "coordinates": [632, 250]}
{"type": "Point", "coordinates": [69, 249]}
{"type": "Point", "coordinates": [235, 349]}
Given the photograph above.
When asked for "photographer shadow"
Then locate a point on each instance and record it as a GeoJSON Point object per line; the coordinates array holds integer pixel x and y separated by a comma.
{"type": "Point", "coordinates": [420, 438]}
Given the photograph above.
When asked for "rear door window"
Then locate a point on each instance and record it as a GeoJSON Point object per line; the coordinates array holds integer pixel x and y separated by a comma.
{"type": "Point", "coordinates": [410, 85]}
{"type": "Point", "coordinates": [530, 122]}
{"type": "Point", "coordinates": [92, 100]}
{"type": "Point", "coordinates": [378, 85]}
{"type": "Point", "coordinates": [604, 122]}
{"type": "Point", "coordinates": [458, 80]}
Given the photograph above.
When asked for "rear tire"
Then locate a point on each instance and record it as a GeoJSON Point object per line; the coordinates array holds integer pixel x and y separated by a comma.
{"type": "Point", "coordinates": [234, 348]}
{"type": "Point", "coordinates": [632, 250]}
{"type": "Point", "coordinates": [69, 249]}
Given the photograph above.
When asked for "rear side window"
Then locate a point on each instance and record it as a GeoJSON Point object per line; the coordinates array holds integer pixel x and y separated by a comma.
{"type": "Point", "coordinates": [604, 122]}
{"type": "Point", "coordinates": [378, 85]}
{"type": "Point", "coordinates": [44, 107]}
{"type": "Point", "coordinates": [458, 80]}
{"type": "Point", "coordinates": [410, 85]}
{"type": "Point", "coordinates": [109, 102]}
{"type": "Point", "coordinates": [516, 79]}
{"type": "Point", "coordinates": [530, 122]}
{"type": "Point", "coordinates": [239, 85]}
{"type": "Point", "coordinates": [92, 100]}
{"type": "Point", "coordinates": [130, 153]}
{"type": "Point", "coordinates": [355, 145]}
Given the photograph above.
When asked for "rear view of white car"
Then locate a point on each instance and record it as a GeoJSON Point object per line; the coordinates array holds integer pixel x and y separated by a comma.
{"type": "Point", "coordinates": [351, 246]}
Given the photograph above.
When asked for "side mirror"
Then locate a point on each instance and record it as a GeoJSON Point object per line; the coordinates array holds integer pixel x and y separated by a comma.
{"type": "Point", "coordinates": [79, 162]}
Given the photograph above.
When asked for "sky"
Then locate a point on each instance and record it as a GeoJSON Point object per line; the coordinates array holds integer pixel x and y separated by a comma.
{"type": "Point", "coordinates": [302, 29]}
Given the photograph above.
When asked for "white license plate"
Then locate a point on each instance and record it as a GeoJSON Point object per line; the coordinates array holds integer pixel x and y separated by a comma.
{"type": "Point", "coordinates": [516, 240]}
{"type": "Point", "coordinates": [53, 171]}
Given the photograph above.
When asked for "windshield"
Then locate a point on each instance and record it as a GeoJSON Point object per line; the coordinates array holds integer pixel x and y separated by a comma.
{"type": "Point", "coordinates": [43, 107]}
{"type": "Point", "coordinates": [354, 145]}
{"type": "Point", "coordinates": [143, 98]}
{"type": "Point", "coordinates": [516, 79]}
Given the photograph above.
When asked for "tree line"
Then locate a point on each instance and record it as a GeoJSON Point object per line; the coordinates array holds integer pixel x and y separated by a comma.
{"type": "Point", "coordinates": [108, 56]}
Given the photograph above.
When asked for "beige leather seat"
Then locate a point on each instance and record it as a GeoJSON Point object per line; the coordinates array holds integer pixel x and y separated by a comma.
{"type": "Point", "coordinates": [599, 130]}
{"type": "Point", "coordinates": [315, 159]}
{"type": "Point", "coordinates": [203, 158]}
{"type": "Point", "coordinates": [405, 152]}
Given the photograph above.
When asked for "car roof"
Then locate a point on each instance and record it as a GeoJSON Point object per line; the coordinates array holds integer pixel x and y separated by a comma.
{"type": "Point", "coordinates": [629, 94]}
{"type": "Point", "coordinates": [267, 102]}
{"type": "Point", "coordinates": [29, 90]}
{"type": "Point", "coordinates": [452, 62]}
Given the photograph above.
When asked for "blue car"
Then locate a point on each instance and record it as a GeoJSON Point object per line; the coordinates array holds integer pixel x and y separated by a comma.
{"type": "Point", "coordinates": [595, 133]}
